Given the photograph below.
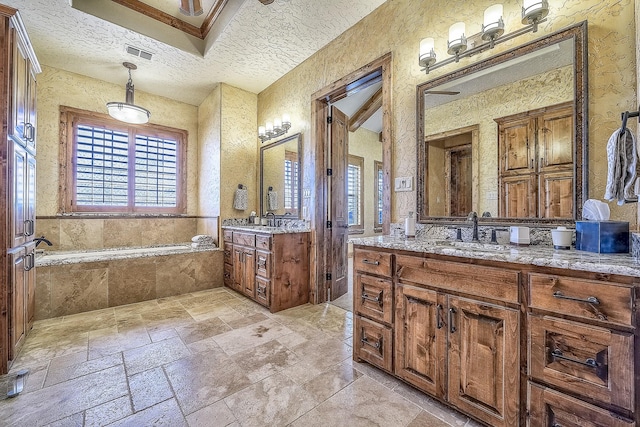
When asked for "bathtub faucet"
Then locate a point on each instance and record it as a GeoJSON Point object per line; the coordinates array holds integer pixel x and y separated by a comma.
{"type": "Point", "coordinates": [41, 239]}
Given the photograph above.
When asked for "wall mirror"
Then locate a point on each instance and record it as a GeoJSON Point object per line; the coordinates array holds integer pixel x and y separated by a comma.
{"type": "Point", "coordinates": [281, 177]}
{"type": "Point", "coordinates": [507, 135]}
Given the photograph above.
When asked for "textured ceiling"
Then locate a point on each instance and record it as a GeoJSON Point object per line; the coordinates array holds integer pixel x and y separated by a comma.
{"type": "Point", "coordinates": [258, 46]}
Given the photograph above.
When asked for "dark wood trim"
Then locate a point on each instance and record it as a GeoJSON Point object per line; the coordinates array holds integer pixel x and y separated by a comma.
{"type": "Point", "coordinates": [577, 33]}
{"type": "Point", "coordinates": [160, 16]}
{"type": "Point", "coordinates": [5, 91]}
{"type": "Point", "coordinates": [212, 17]}
{"type": "Point", "coordinates": [321, 239]}
{"type": "Point", "coordinates": [366, 111]}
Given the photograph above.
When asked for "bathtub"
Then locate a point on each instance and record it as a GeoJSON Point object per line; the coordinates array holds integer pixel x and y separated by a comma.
{"type": "Point", "coordinates": [78, 281]}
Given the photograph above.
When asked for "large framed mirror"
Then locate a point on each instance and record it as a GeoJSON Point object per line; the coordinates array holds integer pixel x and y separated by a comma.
{"type": "Point", "coordinates": [281, 177]}
{"type": "Point", "coordinates": [507, 136]}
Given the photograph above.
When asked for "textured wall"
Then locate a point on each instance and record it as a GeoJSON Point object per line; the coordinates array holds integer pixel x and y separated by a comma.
{"type": "Point", "coordinates": [367, 145]}
{"type": "Point", "coordinates": [209, 154]}
{"type": "Point", "coordinates": [398, 26]}
{"type": "Point", "coordinates": [551, 88]}
{"type": "Point", "coordinates": [57, 87]}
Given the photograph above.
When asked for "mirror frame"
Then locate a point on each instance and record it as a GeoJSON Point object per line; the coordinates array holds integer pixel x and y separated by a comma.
{"type": "Point", "coordinates": [576, 32]}
{"type": "Point", "coordinates": [275, 144]}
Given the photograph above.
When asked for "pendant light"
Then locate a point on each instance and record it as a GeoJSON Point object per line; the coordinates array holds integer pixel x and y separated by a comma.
{"type": "Point", "coordinates": [127, 111]}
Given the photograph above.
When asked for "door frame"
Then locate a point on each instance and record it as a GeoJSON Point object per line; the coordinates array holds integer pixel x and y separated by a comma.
{"type": "Point", "coordinates": [321, 247]}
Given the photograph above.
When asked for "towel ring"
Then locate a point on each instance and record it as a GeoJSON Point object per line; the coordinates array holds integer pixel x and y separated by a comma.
{"type": "Point", "coordinates": [240, 187]}
{"type": "Point", "coordinates": [270, 188]}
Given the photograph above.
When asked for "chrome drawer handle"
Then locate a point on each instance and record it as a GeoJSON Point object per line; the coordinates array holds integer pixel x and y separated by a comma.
{"type": "Point", "coordinates": [377, 345]}
{"type": "Point", "coordinates": [378, 299]}
{"type": "Point", "coordinates": [261, 291]}
{"type": "Point", "coordinates": [588, 300]}
{"type": "Point", "coordinates": [590, 362]}
{"type": "Point", "coordinates": [439, 322]}
{"type": "Point", "coordinates": [452, 326]}
{"type": "Point", "coordinates": [367, 261]}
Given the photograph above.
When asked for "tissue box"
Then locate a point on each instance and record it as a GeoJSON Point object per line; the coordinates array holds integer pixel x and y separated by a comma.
{"type": "Point", "coordinates": [604, 237]}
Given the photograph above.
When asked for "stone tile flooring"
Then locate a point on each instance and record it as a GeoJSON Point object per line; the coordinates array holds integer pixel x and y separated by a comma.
{"type": "Point", "coordinates": [210, 358]}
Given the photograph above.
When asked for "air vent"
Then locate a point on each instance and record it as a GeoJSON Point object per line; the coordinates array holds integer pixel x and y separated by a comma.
{"type": "Point", "coordinates": [136, 51]}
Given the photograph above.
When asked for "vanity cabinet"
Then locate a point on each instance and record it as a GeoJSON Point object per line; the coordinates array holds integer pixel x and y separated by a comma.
{"type": "Point", "coordinates": [22, 292]}
{"type": "Point", "coordinates": [270, 268]}
{"type": "Point", "coordinates": [23, 106]}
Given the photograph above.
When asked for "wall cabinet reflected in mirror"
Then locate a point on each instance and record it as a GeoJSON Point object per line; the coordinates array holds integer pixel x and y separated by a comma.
{"type": "Point", "coordinates": [507, 135]}
{"type": "Point", "coordinates": [281, 177]}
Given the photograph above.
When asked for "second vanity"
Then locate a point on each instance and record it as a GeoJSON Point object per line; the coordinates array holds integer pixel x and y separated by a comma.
{"type": "Point", "coordinates": [526, 336]}
{"type": "Point", "coordinates": [270, 265]}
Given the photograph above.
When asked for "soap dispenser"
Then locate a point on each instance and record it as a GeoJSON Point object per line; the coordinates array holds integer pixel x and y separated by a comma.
{"type": "Point", "coordinates": [410, 226]}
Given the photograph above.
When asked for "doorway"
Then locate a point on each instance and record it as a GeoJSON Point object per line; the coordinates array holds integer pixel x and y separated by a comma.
{"type": "Point", "coordinates": [330, 268]}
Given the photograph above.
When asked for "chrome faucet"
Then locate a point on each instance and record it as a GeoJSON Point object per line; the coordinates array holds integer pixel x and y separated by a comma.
{"type": "Point", "coordinates": [272, 220]}
{"type": "Point", "coordinates": [474, 217]}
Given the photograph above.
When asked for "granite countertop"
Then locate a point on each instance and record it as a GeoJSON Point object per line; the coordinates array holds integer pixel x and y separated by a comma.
{"type": "Point", "coordinates": [266, 230]}
{"type": "Point", "coordinates": [623, 264]}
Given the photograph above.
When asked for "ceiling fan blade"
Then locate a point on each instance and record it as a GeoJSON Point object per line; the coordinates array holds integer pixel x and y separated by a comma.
{"type": "Point", "coordinates": [441, 92]}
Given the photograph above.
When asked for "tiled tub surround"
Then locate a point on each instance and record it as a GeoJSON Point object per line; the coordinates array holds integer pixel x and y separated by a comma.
{"type": "Point", "coordinates": [75, 282]}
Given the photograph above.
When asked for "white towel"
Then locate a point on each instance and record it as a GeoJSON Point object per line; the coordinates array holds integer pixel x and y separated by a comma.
{"type": "Point", "coordinates": [203, 239]}
{"type": "Point", "coordinates": [272, 200]}
{"type": "Point", "coordinates": [241, 199]}
{"type": "Point", "coordinates": [622, 158]}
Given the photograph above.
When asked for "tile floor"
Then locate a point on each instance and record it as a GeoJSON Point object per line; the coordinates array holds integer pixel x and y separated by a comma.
{"type": "Point", "coordinates": [211, 358]}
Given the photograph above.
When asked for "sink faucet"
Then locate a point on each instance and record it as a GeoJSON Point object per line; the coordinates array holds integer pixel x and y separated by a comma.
{"type": "Point", "coordinates": [272, 220]}
{"type": "Point", "coordinates": [41, 239]}
{"type": "Point", "coordinates": [474, 217]}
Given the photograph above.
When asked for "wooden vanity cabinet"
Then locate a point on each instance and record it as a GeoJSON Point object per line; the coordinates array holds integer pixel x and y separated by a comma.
{"type": "Point", "coordinates": [22, 301]}
{"type": "Point", "coordinates": [271, 269]}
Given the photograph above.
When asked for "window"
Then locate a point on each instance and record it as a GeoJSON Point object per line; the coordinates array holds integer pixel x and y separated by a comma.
{"type": "Point", "coordinates": [379, 187]}
{"type": "Point", "coordinates": [110, 166]}
{"type": "Point", "coordinates": [355, 193]}
{"type": "Point", "coordinates": [291, 190]}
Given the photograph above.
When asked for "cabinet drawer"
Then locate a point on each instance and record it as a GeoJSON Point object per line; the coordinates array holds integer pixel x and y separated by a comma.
{"type": "Point", "coordinates": [228, 254]}
{"type": "Point", "coordinates": [372, 343]}
{"type": "Point", "coordinates": [227, 235]}
{"type": "Point", "coordinates": [490, 282]}
{"type": "Point", "coordinates": [228, 275]}
{"type": "Point", "coordinates": [263, 242]}
{"type": "Point", "coordinates": [263, 291]}
{"type": "Point", "coordinates": [244, 239]}
{"type": "Point", "coordinates": [584, 360]}
{"type": "Point", "coordinates": [372, 262]}
{"type": "Point", "coordinates": [374, 298]}
{"type": "Point", "coordinates": [588, 299]}
{"type": "Point", "coordinates": [263, 264]}
{"type": "Point", "coordinates": [547, 407]}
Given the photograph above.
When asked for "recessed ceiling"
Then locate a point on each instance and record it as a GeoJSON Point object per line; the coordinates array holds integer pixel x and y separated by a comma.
{"type": "Point", "coordinates": [259, 44]}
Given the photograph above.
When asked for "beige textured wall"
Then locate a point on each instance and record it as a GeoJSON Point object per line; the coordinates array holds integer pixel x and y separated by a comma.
{"type": "Point", "coordinates": [398, 26]}
{"type": "Point", "coordinates": [239, 155]}
{"type": "Point", "coordinates": [551, 88]}
{"type": "Point", "coordinates": [367, 145]}
{"type": "Point", "coordinates": [57, 87]}
{"type": "Point", "coordinates": [209, 154]}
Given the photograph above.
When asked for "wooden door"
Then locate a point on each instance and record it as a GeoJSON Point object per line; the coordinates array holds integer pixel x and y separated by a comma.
{"type": "Point", "coordinates": [518, 196]}
{"type": "Point", "coordinates": [420, 338]}
{"type": "Point", "coordinates": [556, 194]}
{"type": "Point", "coordinates": [484, 362]}
{"type": "Point", "coordinates": [30, 114]}
{"type": "Point", "coordinates": [460, 181]}
{"type": "Point", "coordinates": [249, 272]}
{"type": "Point", "coordinates": [30, 283]}
{"type": "Point", "coordinates": [18, 204]}
{"type": "Point", "coordinates": [238, 268]}
{"type": "Point", "coordinates": [339, 137]}
{"type": "Point", "coordinates": [19, 97]}
{"type": "Point", "coordinates": [517, 146]}
{"type": "Point", "coordinates": [555, 139]}
{"type": "Point", "coordinates": [30, 198]}
{"type": "Point", "coordinates": [17, 301]}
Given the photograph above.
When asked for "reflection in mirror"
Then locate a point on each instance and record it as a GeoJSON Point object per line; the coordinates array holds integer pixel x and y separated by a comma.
{"type": "Point", "coordinates": [506, 135]}
{"type": "Point", "coordinates": [280, 177]}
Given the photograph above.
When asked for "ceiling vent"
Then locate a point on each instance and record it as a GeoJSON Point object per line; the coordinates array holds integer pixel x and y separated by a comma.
{"type": "Point", "coordinates": [136, 51]}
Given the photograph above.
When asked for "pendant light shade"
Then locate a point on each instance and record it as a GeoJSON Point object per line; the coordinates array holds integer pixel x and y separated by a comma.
{"type": "Point", "coordinates": [127, 111]}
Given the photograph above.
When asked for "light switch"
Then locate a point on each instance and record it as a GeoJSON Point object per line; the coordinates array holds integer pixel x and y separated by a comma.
{"type": "Point", "coordinates": [404, 183]}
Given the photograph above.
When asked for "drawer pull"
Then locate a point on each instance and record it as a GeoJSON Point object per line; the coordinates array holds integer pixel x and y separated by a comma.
{"type": "Point", "coordinates": [378, 299]}
{"type": "Point", "coordinates": [261, 290]}
{"type": "Point", "coordinates": [377, 345]}
{"type": "Point", "coordinates": [368, 261]}
{"type": "Point", "coordinates": [589, 300]}
{"type": "Point", "coordinates": [439, 322]}
{"type": "Point", "coordinates": [452, 326]}
{"type": "Point", "coordinates": [588, 362]}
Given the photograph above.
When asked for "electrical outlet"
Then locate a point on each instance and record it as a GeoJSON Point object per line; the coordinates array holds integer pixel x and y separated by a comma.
{"type": "Point", "coordinates": [404, 183]}
{"type": "Point", "coordinates": [492, 195]}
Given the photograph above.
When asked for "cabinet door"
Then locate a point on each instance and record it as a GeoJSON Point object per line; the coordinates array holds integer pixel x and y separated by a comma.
{"type": "Point", "coordinates": [484, 360]}
{"type": "Point", "coordinates": [555, 136]}
{"type": "Point", "coordinates": [263, 291]}
{"type": "Point", "coordinates": [547, 407]}
{"type": "Point", "coordinates": [30, 126]}
{"type": "Point", "coordinates": [17, 301]}
{"type": "Point", "coordinates": [249, 274]}
{"type": "Point", "coordinates": [263, 264]}
{"type": "Point", "coordinates": [517, 196]}
{"type": "Point", "coordinates": [373, 297]}
{"type": "Point", "coordinates": [556, 194]}
{"type": "Point", "coordinates": [19, 93]}
{"type": "Point", "coordinates": [420, 337]}
{"type": "Point", "coordinates": [18, 167]}
{"type": "Point", "coordinates": [30, 198]}
{"type": "Point", "coordinates": [30, 283]}
{"type": "Point", "coordinates": [517, 146]}
{"type": "Point", "coordinates": [238, 268]}
{"type": "Point", "coordinates": [372, 343]}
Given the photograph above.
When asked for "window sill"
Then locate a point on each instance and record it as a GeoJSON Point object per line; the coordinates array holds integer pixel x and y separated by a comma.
{"type": "Point", "coordinates": [356, 231]}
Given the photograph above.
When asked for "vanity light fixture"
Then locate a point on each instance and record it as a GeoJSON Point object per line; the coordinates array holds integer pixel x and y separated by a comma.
{"type": "Point", "coordinates": [127, 111]}
{"type": "Point", "coordinates": [274, 129]}
{"type": "Point", "coordinates": [533, 13]}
